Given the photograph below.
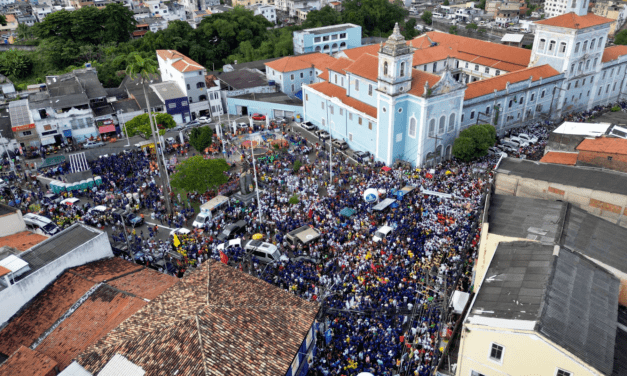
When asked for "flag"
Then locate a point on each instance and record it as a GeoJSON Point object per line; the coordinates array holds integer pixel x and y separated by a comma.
{"type": "Point", "coordinates": [224, 258]}
{"type": "Point", "coordinates": [176, 241]}
{"type": "Point", "coordinates": [241, 267]}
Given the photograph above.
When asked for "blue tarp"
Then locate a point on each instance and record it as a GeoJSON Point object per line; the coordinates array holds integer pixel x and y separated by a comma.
{"type": "Point", "coordinates": [347, 212]}
{"type": "Point", "coordinates": [299, 94]}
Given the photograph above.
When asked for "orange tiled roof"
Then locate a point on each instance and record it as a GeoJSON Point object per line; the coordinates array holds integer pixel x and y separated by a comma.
{"type": "Point", "coordinates": [335, 3]}
{"type": "Point", "coordinates": [604, 145]}
{"type": "Point", "coordinates": [573, 21]}
{"type": "Point", "coordinates": [418, 80]}
{"type": "Point", "coordinates": [4, 271]}
{"type": "Point", "coordinates": [289, 64]}
{"type": "Point", "coordinates": [145, 283]}
{"type": "Point", "coordinates": [105, 309]}
{"type": "Point", "coordinates": [43, 311]}
{"type": "Point", "coordinates": [487, 86]}
{"type": "Point", "coordinates": [22, 240]}
{"type": "Point", "coordinates": [366, 66]}
{"type": "Point", "coordinates": [106, 270]}
{"type": "Point", "coordinates": [338, 92]}
{"type": "Point", "coordinates": [355, 53]}
{"type": "Point", "coordinates": [613, 53]}
{"type": "Point", "coordinates": [28, 362]}
{"type": "Point", "coordinates": [324, 75]}
{"type": "Point", "coordinates": [341, 64]}
{"type": "Point", "coordinates": [182, 64]}
{"type": "Point", "coordinates": [140, 33]}
{"type": "Point", "coordinates": [556, 157]}
{"type": "Point", "coordinates": [319, 60]}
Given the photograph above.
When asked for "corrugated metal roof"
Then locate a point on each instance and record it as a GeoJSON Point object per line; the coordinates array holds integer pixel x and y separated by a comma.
{"type": "Point", "coordinates": [119, 365]}
{"type": "Point", "coordinates": [580, 310]}
{"type": "Point", "coordinates": [75, 369]}
{"type": "Point", "coordinates": [19, 113]}
{"type": "Point", "coordinates": [13, 263]}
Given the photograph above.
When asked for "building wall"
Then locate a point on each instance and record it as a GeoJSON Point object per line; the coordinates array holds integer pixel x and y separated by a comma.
{"type": "Point", "coordinates": [305, 42]}
{"type": "Point", "coordinates": [359, 88]}
{"type": "Point", "coordinates": [15, 296]}
{"type": "Point", "coordinates": [609, 206]}
{"type": "Point", "coordinates": [525, 353]}
{"type": "Point", "coordinates": [265, 108]}
{"type": "Point", "coordinates": [618, 162]}
{"type": "Point", "coordinates": [11, 224]}
{"type": "Point", "coordinates": [179, 109]}
{"type": "Point", "coordinates": [288, 79]}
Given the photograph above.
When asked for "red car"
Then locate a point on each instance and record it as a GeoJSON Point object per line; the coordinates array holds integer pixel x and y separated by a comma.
{"type": "Point", "coordinates": [259, 117]}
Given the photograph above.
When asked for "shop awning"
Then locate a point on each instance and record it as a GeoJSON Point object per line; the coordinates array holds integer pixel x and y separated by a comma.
{"type": "Point", "coordinates": [48, 140]}
{"type": "Point", "coordinates": [347, 212]}
{"type": "Point", "coordinates": [107, 129]}
{"type": "Point", "coordinates": [384, 204]}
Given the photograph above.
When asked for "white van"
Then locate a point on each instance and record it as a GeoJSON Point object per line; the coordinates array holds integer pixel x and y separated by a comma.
{"type": "Point", "coordinates": [40, 224]}
{"type": "Point", "coordinates": [265, 252]}
{"type": "Point", "coordinates": [302, 235]}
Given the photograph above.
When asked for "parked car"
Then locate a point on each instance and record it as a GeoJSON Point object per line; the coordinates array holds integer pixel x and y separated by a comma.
{"type": "Point", "coordinates": [237, 242]}
{"type": "Point", "coordinates": [259, 117]}
{"type": "Point", "coordinates": [322, 134]}
{"type": "Point", "coordinates": [519, 141]}
{"type": "Point", "coordinates": [340, 144]}
{"type": "Point", "coordinates": [70, 201]}
{"type": "Point", "coordinates": [180, 231]}
{"type": "Point", "coordinates": [308, 126]}
{"type": "Point", "coordinates": [363, 156]}
{"type": "Point", "coordinates": [529, 139]}
{"type": "Point", "coordinates": [232, 230]}
{"type": "Point", "coordinates": [180, 127]}
{"type": "Point", "coordinates": [382, 233]}
{"type": "Point", "coordinates": [243, 125]}
{"type": "Point", "coordinates": [493, 150]}
{"type": "Point", "coordinates": [263, 251]}
{"type": "Point", "coordinates": [92, 144]}
{"type": "Point", "coordinates": [509, 146]}
{"type": "Point", "coordinates": [204, 120]}
{"type": "Point", "coordinates": [192, 124]}
{"type": "Point", "coordinates": [98, 210]}
{"type": "Point", "coordinates": [281, 120]}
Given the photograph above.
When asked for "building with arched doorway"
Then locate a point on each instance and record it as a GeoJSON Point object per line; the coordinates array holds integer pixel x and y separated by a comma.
{"type": "Point", "coordinates": [327, 39]}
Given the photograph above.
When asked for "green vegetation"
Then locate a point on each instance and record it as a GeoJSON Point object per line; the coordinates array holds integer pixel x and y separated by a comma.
{"type": "Point", "coordinates": [474, 142]}
{"type": "Point", "coordinates": [197, 174]}
{"type": "Point", "coordinates": [15, 63]}
{"type": "Point", "coordinates": [481, 4]}
{"type": "Point", "coordinates": [615, 108]}
{"type": "Point", "coordinates": [452, 30]}
{"type": "Point", "coordinates": [621, 37]}
{"type": "Point", "coordinates": [472, 26]}
{"type": "Point", "coordinates": [294, 200]}
{"type": "Point", "coordinates": [297, 165]}
{"type": "Point", "coordinates": [201, 138]}
{"type": "Point", "coordinates": [141, 124]}
{"type": "Point", "coordinates": [427, 17]}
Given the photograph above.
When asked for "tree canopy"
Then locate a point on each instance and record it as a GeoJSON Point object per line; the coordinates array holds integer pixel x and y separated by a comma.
{"type": "Point", "coordinates": [427, 17]}
{"type": "Point", "coordinates": [197, 174]}
{"type": "Point", "coordinates": [474, 141]}
{"type": "Point", "coordinates": [621, 37]}
{"type": "Point", "coordinates": [141, 124]}
{"type": "Point", "coordinates": [201, 138]}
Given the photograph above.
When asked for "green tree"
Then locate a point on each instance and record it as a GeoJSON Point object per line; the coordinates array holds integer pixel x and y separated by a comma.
{"type": "Point", "coordinates": [375, 17]}
{"type": "Point", "coordinates": [446, 3]}
{"type": "Point", "coordinates": [15, 64]}
{"type": "Point", "coordinates": [472, 26]}
{"type": "Point", "coordinates": [481, 31]}
{"type": "Point", "coordinates": [409, 29]}
{"type": "Point", "coordinates": [452, 30]}
{"type": "Point", "coordinates": [474, 141]}
{"type": "Point", "coordinates": [3, 20]}
{"type": "Point", "coordinates": [481, 4]}
{"type": "Point", "coordinates": [197, 174]}
{"type": "Point", "coordinates": [24, 32]}
{"type": "Point", "coordinates": [324, 17]}
{"type": "Point", "coordinates": [464, 148]}
{"type": "Point", "coordinates": [621, 37]}
{"type": "Point", "coordinates": [528, 12]}
{"type": "Point", "coordinates": [201, 138]}
{"type": "Point", "coordinates": [141, 124]}
{"type": "Point", "coordinates": [427, 17]}
{"type": "Point", "coordinates": [118, 23]}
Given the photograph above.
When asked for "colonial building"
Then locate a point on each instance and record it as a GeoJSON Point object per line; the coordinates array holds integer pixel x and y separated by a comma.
{"type": "Point", "coordinates": [409, 100]}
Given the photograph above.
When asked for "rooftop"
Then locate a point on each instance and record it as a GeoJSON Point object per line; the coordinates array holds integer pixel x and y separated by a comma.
{"type": "Point", "coordinates": [293, 63]}
{"type": "Point", "coordinates": [591, 178]}
{"type": "Point", "coordinates": [487, 86]}
{"type": "Point", "coordinates": [257, 64]}
{"type": "Point", "coordinates": [88, 78]}
{"type": "Point", "coordinates": [135, 89]}
{"type": "Point", "coordinates": [262, 325]}
{"type": "Point", "coordinates": [19, 113]}
{"type": "Point", "coordinates": [608, 145]}
{"type": "Point", "coordinates": [179, 62]}
{"type": "Point", "coordinates": [338, 92]}
{"type": "Point", "coordinates": [557, 157]}
{"type": "Point", "coordinates": [22, 240]}
{"type": "Point", "coordinates": [613, 53]}
{"type": "Point", "coordinates": [243, 79]}
{"type": "Point", "coordinates": [329, 29]}
{"type": "Point", "coordinates": [365, 66]}
{"type": "Point", "coordinates": [168, 90]}
{"type": "Point", "coordinates": [582, 129]}
{"type": "Point", "coordinates": [6, 209]}
{"type": "Point", "coordinates": [28, 362]}
{"type": "Point", "coordinates": [278, 97]}
{"type": "Point", "coordinates": [573, 21]}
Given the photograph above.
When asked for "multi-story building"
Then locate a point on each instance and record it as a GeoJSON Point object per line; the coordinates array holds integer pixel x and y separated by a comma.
{"type": "Point", "coordinates": [246, 3]}
{"type": "Point", "coordinates": [28, 20]}
{"type": "Point", "coordinates": [189, 76]}
{"type": "Point", "coordinates": [328, 39]}
{"type": "Point", "coordinates": [175, 101]}
{"type": "Point", "coordinates": [11, 25]}
{"type": "Point", "coordinates": [291, 72]}
{"type": "Point", "coordinates": [409, 100]}
{"type": "Point", "coordinates": [215, 96]}
{"type": "Point", "coordinates": [23, 126]}
{"type": "Point", "coordinates": [613, 10]}
{"type": "Point", "coordinates": [553, 8]}
{"type": "Point", "coordinates": [507, 13]}
{"type": "Point", "coordinates": [268, 11]}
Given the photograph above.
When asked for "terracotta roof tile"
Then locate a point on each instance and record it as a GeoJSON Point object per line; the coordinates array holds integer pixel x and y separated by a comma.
{"type": "Point", "coordinates": [189, 327]}
{"type": "Point", "coordinates": [140, 33]}
{"type": "Point", "coordinates": [27, 362]}
{"type": "Point", "coordinates": [22, 240]}
{"type": "Point", "coordinates": [608, 145]}
{"type": "Point", "coordinates": [418, 80]}
{"type": "Point", "coordinates": [105, 270]}
{"type": "Point", "coordinates": [182, 64]}
{"type": "Point", "coordinates": [365, 66]}
{"type": "Point", "coordinates": [556, 157]}
{"type": "Point", "coordinates": [324, 75]}
{"type": "Point", "coordinates": [613, 53]}
{"type": "Point", "coordinates": [319, 60]}
{"type": "Point", "coordinates": [289, 64]}
{"type": "Point", "coordinates": [42, 312]}
{"type": "Point", "coordinates": [487, 86]}
{"type": "Point", "coordinates": [355, 53]}
{"type": "Point", "coordinates": [338, 92]}
{"type": "Point", "coordinates": [105, 309]}
{"type": "Point", "coordinates": [574, 21]}
{"type": "Point", "coordinates": [4, 271]}
{"type": "Point", "coordinates": [340, 64]}
{"type": "Point", "coordinates": [146, 283]}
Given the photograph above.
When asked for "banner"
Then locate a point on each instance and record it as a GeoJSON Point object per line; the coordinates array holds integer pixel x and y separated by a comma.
{"type": "Point", "coordinates": [224, 258]}
{"type": "Point", "coordinates": [176, 241]}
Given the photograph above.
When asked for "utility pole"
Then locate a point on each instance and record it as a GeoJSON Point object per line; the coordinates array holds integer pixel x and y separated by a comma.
{"type": "Point", "coordinates": [128, 244]}
{"type": "Point", "coordinates": [330, 159]}
{"type": "Point", "coordinates": [7, 153]}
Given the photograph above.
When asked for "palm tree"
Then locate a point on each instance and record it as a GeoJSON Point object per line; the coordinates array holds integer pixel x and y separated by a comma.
{"type": "Point", "coordinates": [144, 68]}
{"type": "Point", "coordinates": [23, 32]}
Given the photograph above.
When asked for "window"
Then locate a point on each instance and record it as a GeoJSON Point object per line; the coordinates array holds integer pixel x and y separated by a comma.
{"type": "Point", "coordinates": [462, 119]}
{"type": "Point", "coordinates": [542, 44]}
{"type": "Point", "coordinates": [532, 96]}
{"type": "Point", "coordinates": [306, 97]}
{"type": "Point", "coordinates": [487, 70]}
{"type": "Point", "coordinates": [588, 93]}
{"type": "Point", "coordinates": [200, 85]}
{"type": "Point", "coordinates": [359, 120]}
{"type": "Point", "coordinates": [561, 372]}
{"type": "Point", "coordinates": [202, 98]}
{"type": "Point", "coordinates": [370, 89]}
{"type": "Point", "coordinates": [472, 114]}
{"type": "Point", "coordinates": [592, 44]}
{"type": "Point", "coordinates": [498, 72]}
{"type": "Point", "coordinates": [435, 66]}
{"type": "Point", "coordinates": [385, 68]}
{"type": "Point", "coordinates": [612, 72]}
{"type": "Point", "coordinates": [588, 64]}
{"type": "Point", "coordinates": [442, 126]}
{"type": "Point", "coordinates": [591, 79]}
{"type": "Point", "coordinates": [562, 47]}
{"type": "Point", "coordinates": [292, 77]}
{"type": "Point", "coordinates": [465, 66]}
{"type": "Point", "coordinates": [595, 62]}
{"type": "Point", "coordinates": [342, 35]}
{"type": "Point", "coordinates": [601, 42]}
{"type": "Point", "coordinates": [572, 68]}
{"type": "Point", "coordinates": [402, 69]}
{"type": "Point", "coordinates": [331, 109]}
{"type": "Point", "coordinates": [432, 128]}
{"type": "Point", "coordinates": [576, 84]}
{"type": "Point", "coordinates": [585, 46]}
{"type": "Point", "coordinates": [292, 87]}
{"type": "Point", "coordinates": [604, 73]}
{"type": "Point", "coordinates": [341, 111]}
{"type": "Point", "coordinates": [317, 40]}
{"type": "Point", "coordinates": [577, 47]}
{"type": "Point", "coordinates": [614, 87]}
{"type": "Point", "coordinates": [568, 87]}
{"type": "Point", "coordinates": [188, 87]}
{"type": "Point", "coordinates": [356, 85]}
{"type": "Point", "coordinates": [451, 123]}
{"type": "Point", "coordinates": [510, 104]}
{"type": "Point", "coordinates": [342, 81]}
{"type": "Point", "coordinates": [302, 74]}
{"type": "Point", "coordinates": [350, 116]}
{"type": "Point", "coordinates": [412, 127]}
{"type": "Point", "coordinates": [310, 73]}
{"type": "Point", "coordinates": [425, 67]}
{"type": "Point", "coordinates": [551, 45]}
{"type": "Point", "coordinates": [190, 100]}
{"type": "Point", "coordinates": [370, 125]}
{"type": "Point", "coordinates": [521, 100]}
{"type": "Point", "coordinates": [600, 89]}
{"type": "Point", "coordinates": [322, 105]}
{"type": "Point", "coordinates": [27, 133]}
{"type": "Point", "coordinates": [609, 159]}
{"type": "Point", "coordinates": [477, 67]}
{"type": "Point", "coordinates": [335, 75]}
{"type": "Point", "coordinates": [607, 90]}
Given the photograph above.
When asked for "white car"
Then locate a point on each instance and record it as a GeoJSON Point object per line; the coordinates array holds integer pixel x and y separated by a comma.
{"type": "Point", "coordinates": [204, 120]}
{"type": "Point", "coordinates": [308, 126]}
{"type": "Point", "coordinates": [92, 144]}
{"type": "Point", "coordinates": [180, 231]}
{"type": "Point", "coordinates": [519, 141]}
{"type": "Point", "coordinates": [243, 125]}
{"type": "Point", "coordinates": [230, 244]}
{"type": "Point", "coordinates": [70, 201]}
{"type": "Point", "coordinates": [382, 233]}
{"type": "Point", "coordinates": [530, 139]}
{"type": "Point", "coordinates": [496, 151]}
{"type": "Point", "coordinates": [100, 209]}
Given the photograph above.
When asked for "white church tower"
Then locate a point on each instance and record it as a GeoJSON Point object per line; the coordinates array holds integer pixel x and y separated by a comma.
{"type": "Point", "coordinates": [395, 64]}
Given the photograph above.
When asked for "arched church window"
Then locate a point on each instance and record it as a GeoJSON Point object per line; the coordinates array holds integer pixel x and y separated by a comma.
{"type": "Point", "coordinates": [402, 69]}
{"type": "Point", "coordinates": [441, 127]}
{"type": "Point", "coordinates": [385, 68]}
{"type": "Point", "coordinates": [451, 123]}
{"type": "Point", "coordinates": [412, 127]}
{"type": "Point", "coordinates": [542, 44]}
{"type": "Point", "coordinates": [432, 128]}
